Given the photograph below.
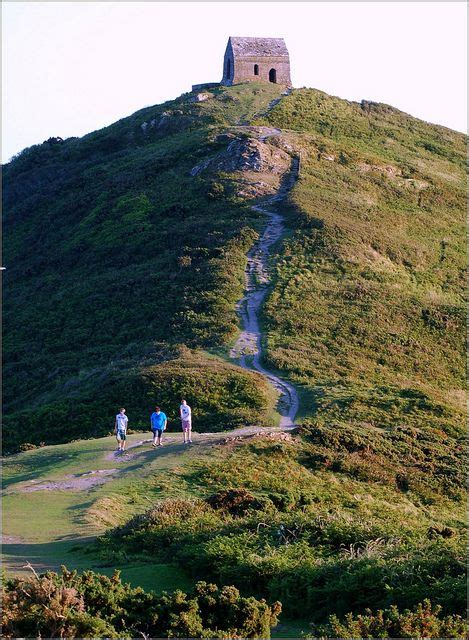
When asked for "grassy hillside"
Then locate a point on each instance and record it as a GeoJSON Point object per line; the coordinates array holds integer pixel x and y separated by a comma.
{"type": "Point", "coordinates": [363, 505]}
{"type": "Point", "coordinates": [116, 255]}
{"type": "Point", "coordinates": [368, 307]}
{"type": "Point", "coordinates": [367, 311]}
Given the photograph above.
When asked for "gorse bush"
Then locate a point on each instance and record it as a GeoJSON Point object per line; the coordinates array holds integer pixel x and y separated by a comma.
{"type": "Point", "coordinates": [69, 605]}
{"type": "Point", "coordinates": [424, 621]}
{"type": "Point", "coordinates": [236, 501]}
{"type": "Point", "coordinates": [337, 566]}
{"type": "Point", "coordinates": [427, 462]}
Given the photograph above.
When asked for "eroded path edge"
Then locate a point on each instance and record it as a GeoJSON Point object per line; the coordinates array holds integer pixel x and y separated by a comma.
{"type": "Point", "coordinates": [247, 351]}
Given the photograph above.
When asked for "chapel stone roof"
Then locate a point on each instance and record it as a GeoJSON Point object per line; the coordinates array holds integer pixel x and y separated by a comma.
{"type": "Point", "coordinates": [248, 47]}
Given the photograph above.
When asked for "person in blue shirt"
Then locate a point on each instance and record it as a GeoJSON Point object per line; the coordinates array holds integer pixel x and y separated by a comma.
{"type": "Point", "coordinates": [158, 425]}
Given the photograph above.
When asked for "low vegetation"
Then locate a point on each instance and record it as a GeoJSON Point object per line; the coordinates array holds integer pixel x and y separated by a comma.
{"type": "Point", "coordinates": [285, 527]}
{"type": "Point", "coordinates": [127, 269]}
{"type": "Point", "coordinates": [424, 621]}
{"type": "Point", "coordinates": [90, 605]}
{"type": "Point", "coordinates": [227, 397]}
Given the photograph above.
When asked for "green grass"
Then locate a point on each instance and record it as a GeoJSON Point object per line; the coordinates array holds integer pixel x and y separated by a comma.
{"type": "Point", "coordinates": [57, 527]}
{"type": "Point", "coordinates": [102, 318]}
{"type": "Point", "coordinates": [40, 516]}
{"type": "Point", "coordinates": [365, 318]}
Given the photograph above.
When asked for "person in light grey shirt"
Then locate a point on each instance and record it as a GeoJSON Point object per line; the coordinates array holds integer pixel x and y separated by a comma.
{"type": "Point", "coordinates": [186, 420]}
{"type": "Point", "coordinates": [120, 429]}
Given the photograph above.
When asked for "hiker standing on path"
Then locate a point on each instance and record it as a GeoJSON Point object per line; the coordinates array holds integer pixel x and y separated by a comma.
{"type": "Point", "coordinates": [158, 425]}
{"type": "Point", "coordinates": [186, 420]}
{"type": "Point", "coordinates": [120, 429]}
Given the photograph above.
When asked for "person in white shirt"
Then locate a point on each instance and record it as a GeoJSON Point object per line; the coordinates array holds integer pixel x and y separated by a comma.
{"type": "Point", "coordinates": [186, 420]}
{"type": "Point", "coordinates": [120, 429]}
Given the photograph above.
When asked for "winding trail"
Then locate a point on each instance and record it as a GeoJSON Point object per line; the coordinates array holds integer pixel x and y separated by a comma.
{"type": "Point", "coordinates": [248, 348]}
{"type": "Point", "coordinates": [46, 541]}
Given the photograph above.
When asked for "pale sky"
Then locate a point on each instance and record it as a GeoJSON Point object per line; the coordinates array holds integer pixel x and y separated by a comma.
{"type": "Point", "coordinates": [69, 68]}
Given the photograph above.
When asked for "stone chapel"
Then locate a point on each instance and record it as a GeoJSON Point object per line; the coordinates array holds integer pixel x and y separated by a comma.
{"type": "Point", "coordinates": [252, 59]}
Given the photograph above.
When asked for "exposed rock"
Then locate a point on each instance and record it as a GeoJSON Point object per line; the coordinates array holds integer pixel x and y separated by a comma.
{"type": "Point", "coordinates": [385, 169]}
{"type": "Point", "coordinates": [201, 97]}
{"type": "Point", "coordinates": [393, 172]}
{"type": "Point", "coordinates": [281, 143]}
{"type": "Point", "coordinates": [225, 138]}
{"type": "Point", "coordinates": [200, 167]}
{"type": "Point", "coordinates": [281, 436]}
{"type": "Point", "coordinates": [168, 122]}
{"type": "Point", "coordinates": [257, 189]}
{"type": "Point", "coordinates": [248, 154]}
{"type": "Point", "coordinates": [413, 183]}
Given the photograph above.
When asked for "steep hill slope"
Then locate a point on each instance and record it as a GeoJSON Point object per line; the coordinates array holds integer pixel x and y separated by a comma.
{"type": "Point", "coordinates": [363, 504]}
{"type": "Point", "coordinates": [116, 256]}
{"type": "Point", "coordinates": [371, 287]}
{"type": "Point", "coordinates": [368, 309]}
{"type": "Point", "coordinates": [131, 242]}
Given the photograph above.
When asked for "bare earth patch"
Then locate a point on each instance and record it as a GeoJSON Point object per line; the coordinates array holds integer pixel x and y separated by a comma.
{"type": "Point", "coordinates": [278, 436]}
{"type": "Point", "coordinates": [116, 456]}
{"type": "Point", "coordinates": [11, 539]}
{"type": "Point", "coordinates": [78, 481]}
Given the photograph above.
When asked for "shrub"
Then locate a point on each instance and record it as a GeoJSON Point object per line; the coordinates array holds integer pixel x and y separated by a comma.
{"type": "Point", "coordinates": [236, 501]}
{"type": "Point", "coordinates": [69, 605]}
{"type": "Point", "coordinates": [424, 621]}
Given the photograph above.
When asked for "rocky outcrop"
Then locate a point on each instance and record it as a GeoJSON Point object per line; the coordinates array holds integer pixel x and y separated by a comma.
{"type": "Point", "coordinates": [201, 97]}
{"type": "Point", "coordinates": [384, 169]}
{"type": "Point", "coordinates": [167, 122]}
{"type": "Point", "coordinates": [245, 155]}
{"type": "Point", "coordinates": [393, 173]}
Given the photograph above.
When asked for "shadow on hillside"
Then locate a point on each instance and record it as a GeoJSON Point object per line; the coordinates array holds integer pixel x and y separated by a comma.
{"type": "Point", "coordinates": [45, 556]}
{"type": "Point", "coordinates": [144, 457]}
{"type": "Point", "coordinates": [41, 464]}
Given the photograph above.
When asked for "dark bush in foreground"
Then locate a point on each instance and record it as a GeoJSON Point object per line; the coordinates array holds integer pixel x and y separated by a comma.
{"type": "Point", "coordinates": [424, 621]}
{"type": "Point", "coordinates": [91, 605]}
